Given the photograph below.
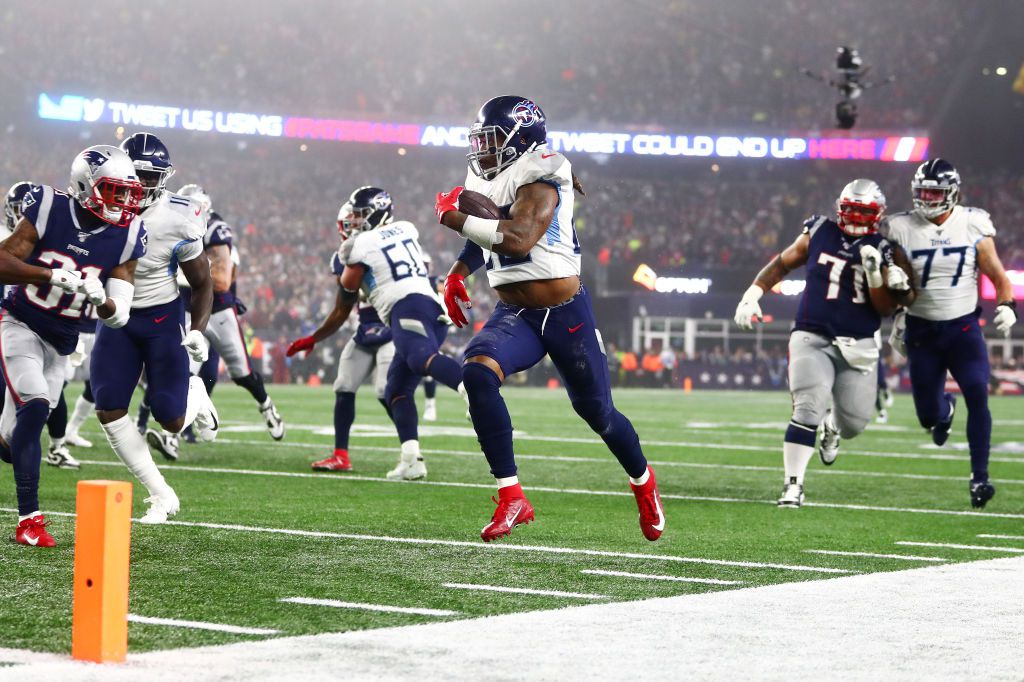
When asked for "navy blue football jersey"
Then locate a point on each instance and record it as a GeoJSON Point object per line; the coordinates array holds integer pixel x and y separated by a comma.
{"type": "Point", "coordinates": [218, 233]}
{"type": "Point", "coordinates": [68, 240]}
{"type": "Point", "coordinates": [836, 302]}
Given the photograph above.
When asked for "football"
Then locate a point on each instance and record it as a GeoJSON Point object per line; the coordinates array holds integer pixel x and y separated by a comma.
{"type": "Point", "coordinates": [476, 204]}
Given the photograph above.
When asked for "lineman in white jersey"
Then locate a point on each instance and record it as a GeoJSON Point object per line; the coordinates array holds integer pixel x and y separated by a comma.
{"type": "Point", "coordinates": [949, 245]}
{"type": "Point", "coordinates": [385, 261]}
{"type": "Point", "coordinates": [154, 339]}
{"type": "Point", "coordinates": [533, 261]}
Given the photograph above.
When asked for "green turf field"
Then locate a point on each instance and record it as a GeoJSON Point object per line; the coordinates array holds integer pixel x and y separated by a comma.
{"type": "Point", "coordinates": [236, 553]}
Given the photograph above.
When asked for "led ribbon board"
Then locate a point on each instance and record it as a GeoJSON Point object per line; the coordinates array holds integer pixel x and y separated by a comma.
{"type": "Point", "coordinates": [79, 109]}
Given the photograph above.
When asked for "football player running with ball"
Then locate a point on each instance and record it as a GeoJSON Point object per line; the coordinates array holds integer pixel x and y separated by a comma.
{"type": "Point", "coordinates": [533, 262]}
{"type": "Point", "coordinates": [949, 244]}
{"type": "Point", "coordinates": [854, 278]}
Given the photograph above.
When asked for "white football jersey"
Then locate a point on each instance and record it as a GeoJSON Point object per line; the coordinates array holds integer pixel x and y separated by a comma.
{"type": "Point", "coordinates": [557, 253]}
{"type": "Point", "coordinates": [394, 264]}
{"type": "Point", "coordinates": [944, 257]}
{"type": "Point", "coordinates": [175, 226]}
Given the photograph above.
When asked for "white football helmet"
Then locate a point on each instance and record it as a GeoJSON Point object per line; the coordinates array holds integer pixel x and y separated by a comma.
{"type": "Point", "coordinates": [198, 195]}
{"type": "Point", "coordinates": [103, 181]}
{"type": "Point", "coordinates": [860, 207]}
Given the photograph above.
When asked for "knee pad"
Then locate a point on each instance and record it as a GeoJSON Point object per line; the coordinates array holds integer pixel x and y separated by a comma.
{"type": "Point", "coordinates": [478, 377]}
{"type": "Point", "coordinates": [596, 412]}
{"type": "Point", "coordinates": [808, 411]}
{"type": "Point", "coordinates": [851, 427]}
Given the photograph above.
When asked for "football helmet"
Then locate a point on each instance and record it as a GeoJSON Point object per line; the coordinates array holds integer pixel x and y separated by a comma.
{"type": "Point", "coordinates": [367, 208]}
{"type": "Point", "coordinates": [104, 182]}
{"type": "Point", "coordinates": [860, 207]}
{"type": "Point", "coordinates": [935, 188]}
{"type": "Point", "coordinates": [506, 127]}
{"type": "Point", "coordinates": [198, 195]}
{"type": "Point", "coordinates": [152, 163]}
{"type": "Point", "coordinates": [12, 202]}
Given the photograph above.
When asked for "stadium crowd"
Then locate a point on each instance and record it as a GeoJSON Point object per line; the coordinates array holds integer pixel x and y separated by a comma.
{"type": "Point", "coordinates": [694, 63]}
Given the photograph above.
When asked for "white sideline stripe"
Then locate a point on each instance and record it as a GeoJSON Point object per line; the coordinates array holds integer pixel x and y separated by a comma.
{"type": "Point", "coordinates": [669, 578]}
{"type": "Point", "coordinates": [871, 555]}
{"type": "Point", "coordinates": [654, 462]}
{"type": "Point", "coordinates": [983, 548]}
{"type": "Point", "coordinates": [1000, 537]}
{"type": "Point", "coordinates": [525, 590]}
{"type": "Point", "coordinates": [681, 444]}
{"type": "Point", "coordinates": [197, 625]}
{"type": "Point", "coordinates": [367, 607]}
{"type": "Point", "coordinates": [566, 491]}
{"type": "Point", "coordinates": [490, 546]}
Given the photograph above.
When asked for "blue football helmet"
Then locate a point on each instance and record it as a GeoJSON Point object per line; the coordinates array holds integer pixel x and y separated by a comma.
{"type": "Point", "coordinates": [12, 202]}
{"type": "Point", "coordinates": [935, 188]}
{"type": "Point", "coordinates": [152, 163]}
{"type": "Point", "coordinates": [367, 208]}
{"type": "Point", "coordinates": [506, 127]}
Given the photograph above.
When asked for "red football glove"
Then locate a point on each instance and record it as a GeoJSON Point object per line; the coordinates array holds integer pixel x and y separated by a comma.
{"type": "Point", "coordinates": [454, 293]}
{"type": "Point", "coordinates": [306, 343]}
{"type": "Point", "coordinates": [447, 201]}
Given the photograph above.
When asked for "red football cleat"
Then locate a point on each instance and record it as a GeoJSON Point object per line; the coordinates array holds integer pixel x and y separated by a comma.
{"type": "Point", "coordinates": [648, 501]}
{"type": "Point", "coordinates": [336, 462]}
{"type": "Point", "coordinates": [32, 532]}
{"type": "Point", "coordinates": [513, 509]}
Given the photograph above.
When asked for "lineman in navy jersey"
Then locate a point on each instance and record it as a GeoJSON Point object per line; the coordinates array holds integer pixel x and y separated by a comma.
{"type": "Point", "coordinates": [834, 347]}
{"type": "Point", "coordinates": [533, 262]}
{"type": "Point", "coordinates": [949, 245]}
{"type": "Point", "coordinates": [68, 250]}
{"type": "Point", "coordinates": [225, 329]}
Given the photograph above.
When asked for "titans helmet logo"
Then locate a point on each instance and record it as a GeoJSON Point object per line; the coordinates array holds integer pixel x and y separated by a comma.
{"type": "Point", "coordinates": [381, 201]}
{"type": "Point", "coordinates": [525, 113]}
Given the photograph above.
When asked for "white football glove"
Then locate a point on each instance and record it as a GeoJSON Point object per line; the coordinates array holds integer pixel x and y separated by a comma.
{"type": "Point", "coordinates": [93, 290]}
{"type": "Point", "coordinates": [871, 259]}
{"type": "Point", "coordinates": [1004, 318]}
{"type": "Point", "coordinates": [749, 307]}
{"type": "Point", "coordinates": [68, 280]}
{"type": "Point", "coordinates": [897, 337]}
{"type": "Point", "coordinates": [196, 345]}
{"type": "Point", "coordinates": [896, 279]}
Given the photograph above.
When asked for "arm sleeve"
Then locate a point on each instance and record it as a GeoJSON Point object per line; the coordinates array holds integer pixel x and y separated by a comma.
{"type": "Point", "coordinates": [35, 206]}
{"type": "Point", "coordinates": [350, 251]}
{"type": "Point", "coordinates": [812, 224]}
{"type": "Point", "coordinates": [337, 267]}
{"type": "Point", "coordinates": [188, 249]}
{"type": "Point", "coordinates": [139, 250]}
{"type": "Point", "coordinates": [981, 224]}
{"type": "Point", "coordinates": [472, 255]}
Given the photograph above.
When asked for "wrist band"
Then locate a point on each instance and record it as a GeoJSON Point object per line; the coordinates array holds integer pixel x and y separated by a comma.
{"type": "Point", "coordinates": [482, 231]}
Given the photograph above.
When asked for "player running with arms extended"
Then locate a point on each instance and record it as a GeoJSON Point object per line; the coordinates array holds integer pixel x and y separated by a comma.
{"type": "Point", "coordinates": [834, 347]}
{"type": "Point", "coordinates": [949, 245]}
{"type": "Point", "coordinates": [533, 261]}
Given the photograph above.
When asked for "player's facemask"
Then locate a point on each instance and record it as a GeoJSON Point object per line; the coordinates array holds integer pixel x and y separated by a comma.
{"type": "Point", "coordinates": [857, 219]}
{"type": "Point", "coordinates": [115, 201]}
{"type": "Point", "coordinates": [490, 151]}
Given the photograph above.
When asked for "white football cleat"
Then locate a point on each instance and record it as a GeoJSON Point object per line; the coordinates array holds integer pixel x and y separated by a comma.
{"type": "Point", "coordinates": [409, 469]}
{"type": "Point", "coordinates": [430, 410]}
{"type": "Point", "coordinates": [792, 495]}
{"type": "Point", "coordinates": [274, 422]}
{"type": "Point", "coordinates": [75, 440]}
{"type": "Point", "coordinates": [828, 447]}
{"type": "Point", "coordinates": [207, 422]}
{"type": "Point", "coordinates": [465, 396]}
{"type": "Point", "coordinates": [163, 442]}
{"type": "Point", "coordinates": [883, 417]}
{"type": "Point", "coordinates": [161, 507]}
{"type": "Point", "coordinates": [61, 458]}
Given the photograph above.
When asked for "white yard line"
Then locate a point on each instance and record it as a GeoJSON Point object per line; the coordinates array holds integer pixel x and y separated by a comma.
{"type": "Point", "coordinates": [1000, 537]}
{"type": "Point", "coordinates": [384, 608]}
{"type": "Point", "coordinates": [654, 462]}
{"type": "Point", "coordinates": [872, 555]}
{"type": "Point", "coordinates": [566, 491]}
{"type": "Point", "coordinates": [667, 578]}
{"type": "Point", "coordinates": [525, 590]}
{"type": "Point", "coordinates": [681, 444]}
{"type": "Point", "coordinates": [490, 546]}
{"type": "Point", "coordinates": [979, 548]}
{"type": "Point", "coordinates": [197, 625]}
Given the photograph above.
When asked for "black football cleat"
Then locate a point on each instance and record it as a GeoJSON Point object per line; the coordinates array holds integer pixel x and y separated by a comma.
{"type": "Point", "coordinates": [981, 493]}
{"type": "Point", "coordinates": [940, 432]}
